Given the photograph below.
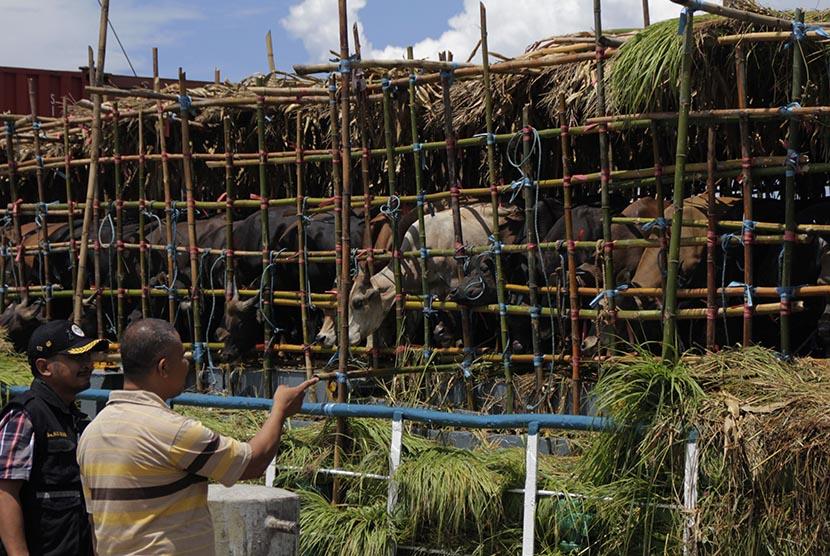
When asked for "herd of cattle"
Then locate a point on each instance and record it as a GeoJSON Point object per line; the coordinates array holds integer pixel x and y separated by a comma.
{"type": "Point", "coordinates": [237, 322]}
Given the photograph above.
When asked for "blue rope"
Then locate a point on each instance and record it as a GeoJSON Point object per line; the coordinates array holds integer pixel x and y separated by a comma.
{"type": "Point", "coordinates": [185, 103]}
{"type": "Point", "coordinates": [800, 30]}
{"type": "Point", "coordinates": [385, 83]}
{"type": "Point", "coordinates": [792, 163]}
{"type": "Point", "coordinates": [538, 360]}
{"type": "Point", "coordinates": [787, 109]}
{"type": "Point", "coordinates": [660, 223]}
{"type": "Point", "coordinates": [10, 127]}
{"type": "Point", "coordinates": [490, 138]}
{"type": "Point", "coordinates": [36, 125]}
{"type": "Point", "coordinates": [535, 312]}
{"type": "Point", "coordinates": [608, 294]}
{"type": "Point", "coordinates": [748, 226]}
{"type": "Point", "coordinates": [517, 185]}
{"type": "Point", "coordinates": [424, 253]}
{"type": "Point", "coordinates": [502, 309]}
{"type": "Point", "coordinates": [785, 293]}
{"type": "Point", "coordinates": [198, 352]}
{"type": "Point", "coordinates": [449, 75]}
{"type": "Point", "coordinates": [747, 291]}
{"type": "Point", "coordinates": [417, 147]}
{"type": "Point", "coordinates": [427, 309]}
{"type": "Point", "coordinates": [495, 244]}
{"type": "Point", "coordinates": [392, 208]}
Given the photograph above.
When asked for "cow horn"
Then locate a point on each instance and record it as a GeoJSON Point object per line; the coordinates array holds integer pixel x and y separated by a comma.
{"type": "Point", "coordinates": [28, 311]}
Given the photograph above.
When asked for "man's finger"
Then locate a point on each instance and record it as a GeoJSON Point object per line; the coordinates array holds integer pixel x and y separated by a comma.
{"type": "Point", "coordinates": [309, 382]}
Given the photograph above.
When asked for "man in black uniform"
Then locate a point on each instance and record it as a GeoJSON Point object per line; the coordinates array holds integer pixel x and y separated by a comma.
{"type": "Point", "coordinates": [42, 510]}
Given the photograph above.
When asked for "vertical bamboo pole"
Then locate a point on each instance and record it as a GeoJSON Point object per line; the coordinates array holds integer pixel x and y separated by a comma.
{"type": "Point", "coordinates": [70, 214]}
{"type": "Point", "coordinates": [711, 309]}
{"type": "Point", "coordinates": [393, 213]}
{"type": "Point", "coordinates": [305, 294]}
{"type": "Point", "coordinates": [142, 206]}
{"type": "Point", "coordinates": [494, 203]}
{"type": "Point", "coordinates": [230, 260]}
{"type": "Point", "coordinates": [532, 255]}
{"type": "Point", "coordinates": [660, 195]}
{"type": "Point", "coordinates": [344, 288]}
{"type": "Point", "coordinates": [646, 16]}
{"type": "Point", "coordinates": [14, 206]}
{"type": "Point", "coordinates": [96, 229]}
{"type": "Point", "coordinates": [42, 211]}
{"type": "Point", "coordinates": [423, 261]}
{"type": "Point", "coordinates": [573, 292]}
{"type": "Point", "coordinates": [793, 141]}
{"type": "Point", "coordinates": [168, 197]}
{"type": "Point", "coordinates": [362, 99]}
{"type": "Point", "coordinates": [195, 290]}
{"type": "Point", "coordinates": [608, 333]}
{"type": "Point", "coordinates": [265, 286]}
{"type": "Point", "coordinates": [337, 187]}
{"type": "Point", "coordinates": [460, 251]}
{"type": "Point", "coordinates": [120, 265]}
{"type": "Point", "coordinates": [92, 181]}
{"type": "Point", "coordinates": [670, 293]}
{"type": "Point", "coordinates": [746, 189]}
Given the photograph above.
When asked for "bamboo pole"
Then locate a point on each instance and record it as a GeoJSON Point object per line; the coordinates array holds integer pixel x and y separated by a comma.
{"type": "Point", "coordinates": [67, 177]}
{"type": "Point", "coordinates": [344, 288]}
{"type": "Point", "coordinates": [14, 209]}
{"type": "Point", "coordinates": [711, 237]}
{"type": "Point", "coordinates": [142, 241]}
{"type": "Point", "coordinates": [168, 197]}
{"type": "Point", "coordinates": [746, 189]}
{"type": "Point", "coordinates": [607, 332]}
{"type": "Point", "coordinates": [423, 261]}
{"type": "Point", "coordinates": [573, 292]}
{"type": "Point", "coordinates": [734, 13]}
{"type": "Point", "coordinates": [195, 296]}
{"type": "Point", "coordinates": [96, 229]}
{"type": "Point", "coordinates": [660, 196]}
{"type": "Point", "coordinates": [460, 250]}
{"type": "Point", "coordinates": [230, 256]}
{"type": "Point", "coordinates": [92, 181]}
{"type": "Point", "coordinates": [670, 303]}
{"type": "Point", "coordinates": [793, 143]}
{"type": "Point", "coordinates": [532, 254]}
{"type": "Point", "coordinates": [646, 17]}
{"type": "Point", "coordinates": [267, 272]}
{"type": "Point", "coordinates": [305, 294]}
{"type": "Point", "coordinates": [121, 266]}
{"type": "Point", "coordinates": [42, 217]}
{"type": "Point", "coordinates": [269, 48]}
{"type": "Point", "coordinates": [506, 348]}
{"type": "Point", "coordinates": [766, 36]}
{"type": "Point", "coordinates": [337, 188]}
{"type": "Point", "coordinates": [361, 101]}
{"type": "Point", "coordinates": [392, 213]}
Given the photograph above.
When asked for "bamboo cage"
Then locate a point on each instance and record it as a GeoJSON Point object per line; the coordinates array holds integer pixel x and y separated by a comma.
{"type": "Point", "coordinates": [428, 136]}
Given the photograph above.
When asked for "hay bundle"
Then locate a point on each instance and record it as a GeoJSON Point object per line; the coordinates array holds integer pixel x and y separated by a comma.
{"type": "Point", "coordinates": [764, 455]}
{"type": "Point", "coordinates": [14, 367]}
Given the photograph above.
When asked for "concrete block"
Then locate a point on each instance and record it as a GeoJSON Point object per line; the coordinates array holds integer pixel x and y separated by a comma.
{"type": "Point", "coordinates": [253, 520]}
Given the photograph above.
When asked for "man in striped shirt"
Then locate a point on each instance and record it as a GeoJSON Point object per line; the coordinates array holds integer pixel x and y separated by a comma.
{"type": "Point", "coordinates": [145, 468]}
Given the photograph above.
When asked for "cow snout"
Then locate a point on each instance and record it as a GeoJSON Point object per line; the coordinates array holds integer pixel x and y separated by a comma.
{"type": "Point", "coordinates": [325, 338]}
{"type": "Point", "coordinates": [589, 344]}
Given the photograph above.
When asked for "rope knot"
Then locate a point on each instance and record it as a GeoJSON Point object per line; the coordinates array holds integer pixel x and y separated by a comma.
{"type": "Point", "coordinates": [607, 294]}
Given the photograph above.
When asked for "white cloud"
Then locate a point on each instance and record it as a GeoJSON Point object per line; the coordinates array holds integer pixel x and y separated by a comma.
{"type": "Point", "coordinates": [55, 34]}
{"type": "Point", "coordinates": [512, 24]}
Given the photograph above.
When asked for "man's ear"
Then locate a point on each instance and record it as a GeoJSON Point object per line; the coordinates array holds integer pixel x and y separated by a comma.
{"type": "Point", "coordinates": [161, 367]}
{"type": "Point", "coordinates": [42, 366]}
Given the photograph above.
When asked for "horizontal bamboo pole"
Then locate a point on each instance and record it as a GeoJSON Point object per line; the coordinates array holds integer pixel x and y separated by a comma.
{"type": "Point", "coordinates": [727, 114]}
{"type": "Point", "coordinates": [734, 13]}
{"type": "Point", "coordinates": [429, 65]}
{"type": "Point", "coordinates": [768, 36]}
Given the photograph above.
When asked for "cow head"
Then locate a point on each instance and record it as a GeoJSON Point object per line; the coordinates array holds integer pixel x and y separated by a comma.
{"type": "Point", "coordinates": [240, 327]}
{"type": "Point", "coordinates": [479, 284]}
{"type": "Point", "coordinates": [369, 301]}
{"type": "Point", "coordinates": [20, 320]}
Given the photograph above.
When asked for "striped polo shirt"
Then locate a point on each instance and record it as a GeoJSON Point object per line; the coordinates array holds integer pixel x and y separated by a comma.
{"type": "Point", "coordinates": [145, 472]}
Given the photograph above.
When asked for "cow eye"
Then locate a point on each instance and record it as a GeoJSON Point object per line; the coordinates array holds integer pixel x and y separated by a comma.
{"type": "Point", "coordinates": [357, 303]}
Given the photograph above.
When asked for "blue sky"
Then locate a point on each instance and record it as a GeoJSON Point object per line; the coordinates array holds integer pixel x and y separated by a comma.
{"type": "Point", "coordinates": [201, 35]}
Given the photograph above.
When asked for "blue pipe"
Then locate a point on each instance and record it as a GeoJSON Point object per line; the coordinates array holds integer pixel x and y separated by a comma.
{"type": "Point", "coordinates": [465, 420]}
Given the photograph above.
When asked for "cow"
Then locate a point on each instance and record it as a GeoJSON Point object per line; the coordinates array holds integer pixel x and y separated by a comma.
{"type": "Point", "coordinates": [372, 297]}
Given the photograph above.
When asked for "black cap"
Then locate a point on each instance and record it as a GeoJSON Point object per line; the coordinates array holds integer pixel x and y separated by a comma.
{"type": "Point", "coordinates": [61, 337]}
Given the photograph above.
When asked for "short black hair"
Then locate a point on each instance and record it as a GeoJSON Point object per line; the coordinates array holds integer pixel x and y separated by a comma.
{"type": "Point", "coordinates": [145, 342]}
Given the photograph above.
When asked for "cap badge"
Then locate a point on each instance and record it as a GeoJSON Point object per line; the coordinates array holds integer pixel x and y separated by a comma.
{"type": "Point", "coordinates": [48, 343]}
{"type": "Point", "coordinates": [77, 330]}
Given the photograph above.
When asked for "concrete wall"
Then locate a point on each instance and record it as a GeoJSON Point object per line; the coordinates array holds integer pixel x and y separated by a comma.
{"type": "Point", "coordinates": [253, 520]}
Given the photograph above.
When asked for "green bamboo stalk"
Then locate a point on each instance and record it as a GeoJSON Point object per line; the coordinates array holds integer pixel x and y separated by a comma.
{"type": "Point", "coordinates": [265, 286]}
{"type": "Point", "coordinates": [43, 230]}
{"type": "Point", "coordinates": [460, 250]}
{"type": "Point", "coordinates": [301, 247]}
{"type": "Point", "coordinates": [195, 296]}
{"type": "Point", "coordinates": [532, 254]}
{"type": "Point", "coordinates": [21, 279]}
{"type": "Point", "coordinates": [96, 224]}
{"type": "Point", "coordinates": [393, 213]}
{"type": "Point", "coordinates": [423, 261]}
{"type": "Point", "coordinates": [711, 307]}
{"type": "Point", "coordinates": [793, 142]}
{"type": "Point", "coordinates": [492, 173]}
{"type": "Point", "coordinates": [607, 332]}
{"type": "Point", "coordinates": [230, 258]}
{"type": "Point", "coordinates": [120, 265]}
{"type": "Point", "coordinates": [142, 199]}
{"type": "Point", "coordinates": [337, 188]}
{"type": "Point", "coordinates": [670, 293]}
{"type": "Point", "coordinates": [746, 188]}
{"type": "Point", "coordinates": [168, 197]}
{"type": "Point", "coordinates": [573, 292]}
{"type": "Point", "coordinates": [660, 195]}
